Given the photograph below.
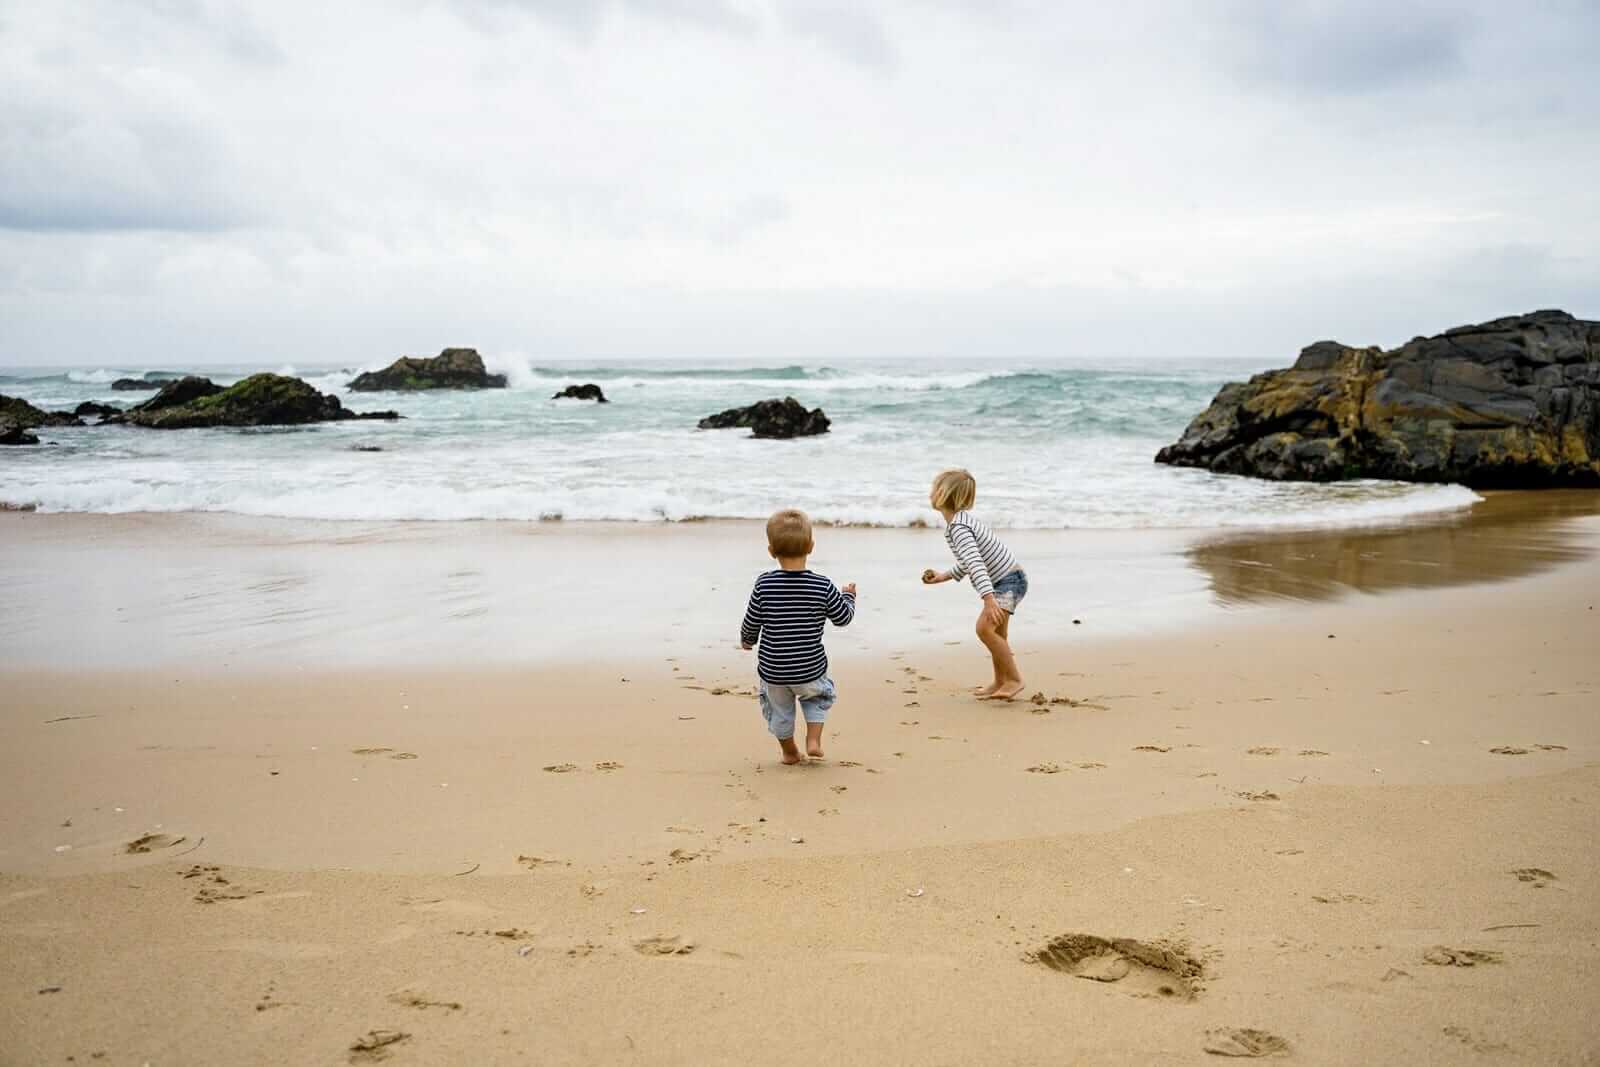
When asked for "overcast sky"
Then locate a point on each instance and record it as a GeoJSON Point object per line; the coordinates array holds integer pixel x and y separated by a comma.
{"type": "Point", "coordinates": [286, 181]}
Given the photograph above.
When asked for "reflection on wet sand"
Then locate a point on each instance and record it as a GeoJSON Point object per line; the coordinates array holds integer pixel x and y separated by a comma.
{"type": "Point", "coordinates": [1507, 535]}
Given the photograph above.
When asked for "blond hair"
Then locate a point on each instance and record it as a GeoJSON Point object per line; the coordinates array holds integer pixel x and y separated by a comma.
{"type": "Point", "coordinates": [955, 489]}
{"type": "Point", "coordinates": [789, 534]}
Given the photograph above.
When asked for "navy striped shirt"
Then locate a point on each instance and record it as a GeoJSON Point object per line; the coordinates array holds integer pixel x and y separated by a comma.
{"type": "Point", "coordinates": [787, 611]}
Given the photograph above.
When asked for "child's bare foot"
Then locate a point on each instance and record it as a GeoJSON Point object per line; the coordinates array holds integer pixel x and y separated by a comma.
{"type": "Point", "coordinates": [984, 692]}
{"type": "Point", "coordinates": [1006, 691]}
{"type": "Point", "coordinates": [814, 740]}
{"type": "Point", "coordinates": [791, 752]}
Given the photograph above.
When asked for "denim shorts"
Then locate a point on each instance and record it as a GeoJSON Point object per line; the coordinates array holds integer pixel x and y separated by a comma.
{"type": "Point", "coordinates": [778, 701]}
{"type": "Point", "coordinates": [1009, 590]}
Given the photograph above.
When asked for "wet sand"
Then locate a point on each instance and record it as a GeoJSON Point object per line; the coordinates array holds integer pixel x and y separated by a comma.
{"type": "Point", "coordinates": [1358, 825]}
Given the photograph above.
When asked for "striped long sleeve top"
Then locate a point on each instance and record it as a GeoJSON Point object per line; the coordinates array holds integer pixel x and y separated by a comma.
{"type": "Point", "coordinates": [979, 553]}
{"type": "Point", "coordinates": [786, 613]}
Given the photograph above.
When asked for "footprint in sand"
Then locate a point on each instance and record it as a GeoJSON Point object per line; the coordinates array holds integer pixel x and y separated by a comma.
{"type": "Point", "coordinates": [1265, 794]}
{"type": "Point", "coordinates": [1143, 968]}
{"type": "Point", "coordinates": [1152, 748]}
{"type": "Point", "coordinates": [407, 999]}
{"type": "Point", "coordinates": [1244, 1043]}
{"type": "Point", "coordinates": [1538, 877]}
{"type": "Point", "coordinates": [608, 765]}
{"type": "Point", "coordinates": [1312, 752]}
{"type": "Point", "coordinates": [374, 1046]}
{"type": "Point", "coordinates": [535, 862]}
{"type": "Point", "coordinates": [1046, 768]}
{"type": "Point", "coordinates": [1262, 750]}
{"type": "Point", "coordinates": [664, 946]}
{"type": "Point", "coordinates": [562, 768]}
{"type": "Point", "coordinates": [370, 751]}
{"type": "Point", "coordinates": [151, 843]}
{"type": "Point", "coordinates": [1440, 956]}
{"type": "Point", "coordinates": [1551, 748]}
{"type": "Point", "coordinates": [404, 755]}
{"type": "Point", "coordinates": [1509, 750]}
{"type": "Point", "coordinates": [1091, 766]}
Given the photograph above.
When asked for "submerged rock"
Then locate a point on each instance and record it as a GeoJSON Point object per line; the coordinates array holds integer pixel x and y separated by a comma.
{"type": "Point", "coordinates": [25, 416]}
{"type": "Point", "coordinates": [771, 418]}
{"type": "Point", "coordinates": [89, 407]}
{"type": "Point", "coordinates": [259, 400]}
{"type": "Point", "coordinates": [13, 434]}
{"type": "Point", "coordinates": [589, 391]}
{"type": "Point", "coordinates": [454, 368]}
{"type": "Point", "coordinates": [1510, 403]}
{"type": "Point", "coordinates": [129, 385]}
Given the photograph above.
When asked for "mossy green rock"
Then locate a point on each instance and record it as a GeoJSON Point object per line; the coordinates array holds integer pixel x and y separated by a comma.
{"type": "Point", "coordinates": [454, 368]}
{"type": "Point", "coordinates": [1510, 403]}
{"type": "Point", "coordinates": [24, 416]}
{"type": "Point", "coordinates": [259, 400]}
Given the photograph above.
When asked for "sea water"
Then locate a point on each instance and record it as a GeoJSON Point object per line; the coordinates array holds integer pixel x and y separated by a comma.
{"type": "Point", "coordinates": [1052, 446]}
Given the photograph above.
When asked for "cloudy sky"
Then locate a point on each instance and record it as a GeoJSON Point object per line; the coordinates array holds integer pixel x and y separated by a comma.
{"type": "Point", "coordinates": [287, 181]}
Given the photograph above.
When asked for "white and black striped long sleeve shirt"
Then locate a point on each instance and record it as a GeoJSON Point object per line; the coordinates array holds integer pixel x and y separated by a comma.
{"type": "Point", "coordinates": [787, 611]}
{"type": "Point", "coordinates": [979, 553]}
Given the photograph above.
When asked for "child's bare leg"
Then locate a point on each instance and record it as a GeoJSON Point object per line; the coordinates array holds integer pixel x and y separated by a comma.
{"type": "Point", "coordinates": [791, 753]}
{"type": "Point", "coordinates": [1009, 677]}
{"type": "Point", "coordinates": [814, 740]}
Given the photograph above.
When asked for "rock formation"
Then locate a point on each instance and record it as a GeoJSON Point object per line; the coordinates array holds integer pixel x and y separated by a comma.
{"type": "Point", "coordinates": [454, 368]}
{"type": "Point", "coordinates": [771, 418]}
{"type": "Point", "coordinates": [128, 385]}
{"type": "Point", "coordinates": [24, 416]}
{"type": "Point", "coordinates": [13, 434]}
{"type": "Point", "coordinates": [1510, 403]}
{"type": "Point", "coordinates": [259, 400]}
{"type": "Point", "coordinates": [582, 392]}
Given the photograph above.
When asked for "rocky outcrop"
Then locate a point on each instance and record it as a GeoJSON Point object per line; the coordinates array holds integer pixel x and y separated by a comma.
{"type": "Point", "coordinates": [89, 407]}
{"type": "Point", "coordinates": [1510, 403]}
{"type": "Point", "coordinates": [132, 385]}
{"type": "Point", "coordinates": [25, 416]}
{"type": "Point", "coordinates": [259, 400]}
{"type": "Point", "coordinates": [771, 418]}
{"type": "Point", "coordinates": [454, 368]}
{"type": "Point", "coordinates": [13, 434]}
{"type": "Point", "coordinates": [582, 392]}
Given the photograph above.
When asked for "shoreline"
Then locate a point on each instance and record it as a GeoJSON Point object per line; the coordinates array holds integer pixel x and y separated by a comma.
{"type": "Point", "coordinates": [197, 590]}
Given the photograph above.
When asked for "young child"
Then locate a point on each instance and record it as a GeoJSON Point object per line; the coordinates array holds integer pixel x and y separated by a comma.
{"type": "Point", "coordinates": [787, 610]}
{"type": "Point", "coordinates": [996, 576]}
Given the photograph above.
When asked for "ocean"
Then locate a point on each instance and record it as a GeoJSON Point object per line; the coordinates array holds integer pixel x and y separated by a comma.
{"type": "Point", "coordinates": [1052, 446]}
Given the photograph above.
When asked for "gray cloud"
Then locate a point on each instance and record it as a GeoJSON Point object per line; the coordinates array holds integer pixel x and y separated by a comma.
{"type": "Point", "coordinates": [1355, 46]}
{"type": "Point", "coordinates": [850, 31]}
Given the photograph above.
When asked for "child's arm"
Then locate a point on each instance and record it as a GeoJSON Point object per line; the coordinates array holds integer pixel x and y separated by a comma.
{"type": "Point", "coordinates": [840, 607]}
{"type": "Point", "coordinates": [750, 628]}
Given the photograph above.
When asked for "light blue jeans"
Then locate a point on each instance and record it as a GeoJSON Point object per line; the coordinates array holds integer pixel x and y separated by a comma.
{"type": "Point", "coordinates": [778, 702]}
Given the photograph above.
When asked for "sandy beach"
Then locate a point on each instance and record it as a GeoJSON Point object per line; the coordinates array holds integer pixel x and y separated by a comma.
{"type": "Point", "coordinates": [1315, 794]}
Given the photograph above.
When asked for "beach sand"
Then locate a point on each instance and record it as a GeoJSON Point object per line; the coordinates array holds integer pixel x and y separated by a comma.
{"type": "Point", "coordinates": [1352, 822]}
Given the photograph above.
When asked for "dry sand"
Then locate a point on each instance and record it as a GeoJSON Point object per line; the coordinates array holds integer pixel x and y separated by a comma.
{"type": "Point", "coordinates": [1298, 819]}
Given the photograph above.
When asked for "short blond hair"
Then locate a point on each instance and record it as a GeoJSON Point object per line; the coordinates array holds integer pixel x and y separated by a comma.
{"type": "Point", "coordinates": [955, 489]}
{"type": "Point", "coordinates": [789, 533]}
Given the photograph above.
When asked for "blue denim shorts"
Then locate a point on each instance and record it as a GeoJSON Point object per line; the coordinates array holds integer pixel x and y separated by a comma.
{"type": "Point", "coordinates": [778, 701]}
{"type": "Point", "coordinates": [1009, 590]}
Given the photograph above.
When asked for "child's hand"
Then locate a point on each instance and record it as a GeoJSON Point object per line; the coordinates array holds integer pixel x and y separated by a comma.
{"type": "Point", "coordinates": [849, 589]}
{"type": "Point", "coordinates": [744, 647]}
{"type": "Point", "coordinates": [931, 577]}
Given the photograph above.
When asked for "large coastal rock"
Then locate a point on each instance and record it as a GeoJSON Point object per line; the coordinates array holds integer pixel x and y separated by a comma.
{"type": "Point", "coordinates": [259, 400]}
{"type": "Point", "coordinates": [771, 418]}
{"type": "Point", "coordinates": [454, 368]}
{"type": "Point", "coordinates": [589, 391]}
{"type": "Point", "coordinates": [1510, 403]}
{"type": "Point", "coordinates": [13, 434]}
{"type": "Point", "coordinates": [25, 416]}
{"type": "Point", "coordinates": [134, 385]}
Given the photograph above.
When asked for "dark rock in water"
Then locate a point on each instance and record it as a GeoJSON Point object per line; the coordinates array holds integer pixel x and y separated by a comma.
{"type": "Point", "coordinates": [259, 400]}
{"type": "Point", "coordinates": [454, 368]}
{"type": "Point", "coordinates": [25, 416]}
{"type": "Point", "coordinates": [13, 434]}
{"type": "Point", "coordinates": [582, 392]}
{"type": "Point", "coordinates": [179, 392]}
{"type": "Point", "coordinates": [771, 418]}
{"type": "Point", "coordinates": [1510, 403]}
{"type": "Point", "coordinates": [89, 407]}
{"type": "Point", "coordinates": [130, 385]}
{"type": "Point", "coordinates": [365, 448]}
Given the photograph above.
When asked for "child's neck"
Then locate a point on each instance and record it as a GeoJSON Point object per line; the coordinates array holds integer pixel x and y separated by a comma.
{"type": "Point", "coordinates": [948, 513]}
{"type": "Point", "coordinates": [791, 563]}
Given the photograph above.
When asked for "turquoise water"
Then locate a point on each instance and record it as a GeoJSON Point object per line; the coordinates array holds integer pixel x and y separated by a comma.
{"type": "Point", "coordinates": [1052, 446]}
